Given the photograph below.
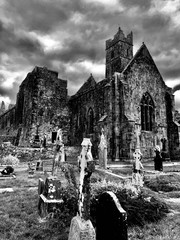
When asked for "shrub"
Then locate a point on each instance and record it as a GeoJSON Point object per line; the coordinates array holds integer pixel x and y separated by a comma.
{"type": "Point", "coordinates": [66, 211]}
{"type": "Point", "coordinates": [9, 160]}
{"type": "Point", "coordinates": [139, 210]}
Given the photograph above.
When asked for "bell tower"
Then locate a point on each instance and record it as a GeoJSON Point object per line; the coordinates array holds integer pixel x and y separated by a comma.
{"type": "Point", "coordinates": [119, 51]}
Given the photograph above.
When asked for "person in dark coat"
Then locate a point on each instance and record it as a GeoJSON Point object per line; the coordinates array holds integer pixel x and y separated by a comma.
{"type": "Point", "coordinates": [158, 160]}
{"type": "Point", "coordinates": [44, 142]}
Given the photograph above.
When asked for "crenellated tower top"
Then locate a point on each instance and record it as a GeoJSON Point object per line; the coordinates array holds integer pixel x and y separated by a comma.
{"type": "Point", "coordinates": [119, 51]}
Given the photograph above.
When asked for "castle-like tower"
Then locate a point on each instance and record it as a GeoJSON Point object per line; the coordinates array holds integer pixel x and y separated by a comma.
{"type": "Point", "coordinates": [119, 51]}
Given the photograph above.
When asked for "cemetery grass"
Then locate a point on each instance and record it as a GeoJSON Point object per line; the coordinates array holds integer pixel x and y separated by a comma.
{"type": "Point", "coordinates": [127, 170]}
{"type": "Point", "coordinates": [19, 217]}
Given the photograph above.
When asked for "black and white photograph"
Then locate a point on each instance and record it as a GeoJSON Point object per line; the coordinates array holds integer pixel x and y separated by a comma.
{"type": "Point", "coordinates": [89, 119]}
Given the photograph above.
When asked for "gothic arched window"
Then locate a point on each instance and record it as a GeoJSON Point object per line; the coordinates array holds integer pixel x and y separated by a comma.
{"type": "Point", "coordinates": [90, 117]}
{"type": "Point", "coordinates": [147, 112]}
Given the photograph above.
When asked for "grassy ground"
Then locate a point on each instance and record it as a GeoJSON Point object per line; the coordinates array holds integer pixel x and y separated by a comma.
{"type": "Point", "coordinates": [126, 171]}
{"type": "Point", "coordinates": [19, 218]}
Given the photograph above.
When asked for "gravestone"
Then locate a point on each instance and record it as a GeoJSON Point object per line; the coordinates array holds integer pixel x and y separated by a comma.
{"type": "Point", "coordinates": [36, 141]}
{"type": "Point", "coordinates": [111, 219]}
{"type": "Point", "coordinates": [137, 174]}
{"type": "Point", "coordinates": [81, 230]}
{"type": "Point", "coordinates": [31, 169]}
{"type": "Point", "coordinates": [81, 227]}
{"type": "Point", "coordinates": [49, 195]}
{"type": "Point", "coordinates": [103, 151]}
{"type": "Point", "coordinates": [59, 155]}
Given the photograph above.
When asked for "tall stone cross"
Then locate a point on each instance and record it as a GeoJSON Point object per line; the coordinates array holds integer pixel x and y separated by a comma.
{"type": "Point", "coordinates": [137, 132]}
{"type": "Point", "coordinates": [81, 227]}
{"type": "Point", "coordinates": [59, 155]}
{"type": "Point", "coordinates": [86, 167]}
{"type": "Point", "coordinates": [103, 151]}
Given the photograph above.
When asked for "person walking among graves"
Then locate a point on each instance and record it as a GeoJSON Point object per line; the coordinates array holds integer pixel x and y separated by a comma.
{"type": "Point", "coordinates": [44, 142]}
{"type": "Point", "coordinates": [137, 175]}
{"type": "Point", "coordinates": [158, 160]}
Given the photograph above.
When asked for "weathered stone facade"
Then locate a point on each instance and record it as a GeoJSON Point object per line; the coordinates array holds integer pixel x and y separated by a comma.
{"type": "Point", "coordinates": [132, 104]}
{"type": "Point", "coordinates": [41, 107]}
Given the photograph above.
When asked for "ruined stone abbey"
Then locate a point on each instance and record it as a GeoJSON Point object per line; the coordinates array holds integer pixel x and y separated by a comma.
{"type": "Point", "coordinates": [132, 104]}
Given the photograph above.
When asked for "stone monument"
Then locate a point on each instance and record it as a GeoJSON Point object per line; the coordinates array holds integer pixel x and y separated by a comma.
{"type": "Point", "coordinates": [81, 227]}
{"type": "Point", "coordinates": [111, 220]}
{"type": "Point", "coordinates": [59, 155]}
{"type": "Point", "coordinates": [103, 151]}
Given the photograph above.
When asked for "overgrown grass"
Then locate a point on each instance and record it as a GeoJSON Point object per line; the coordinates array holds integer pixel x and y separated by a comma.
{"type": "Point", "coordinates": [166, 229]}
{"type": "Point", "coordinates": [140, 209]}
{"type": "Point", "coordinates": [165, 183]}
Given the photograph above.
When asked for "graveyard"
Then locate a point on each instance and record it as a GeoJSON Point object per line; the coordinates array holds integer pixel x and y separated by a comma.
{"type": "Point", "coordinates": [151, 213]}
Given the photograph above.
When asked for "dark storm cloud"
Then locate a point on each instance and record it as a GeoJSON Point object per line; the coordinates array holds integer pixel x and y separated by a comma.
{"type": "Point", "coordinates": [27, 44]}
{"type": "Point", "coordinates": [4, 92]}
{"type": "Point", "coordinates": [142, 4]}
{"type": "Point", "coordinates": [11, 41]}
{"type": "Point", "coordinates": [77, 50]}
{"type": "Point", "coordinates": [155, 22]}
{"type": "Point", "coordinates": [42, 15]}
{"type": "Point", "coordinates": [171, 72]}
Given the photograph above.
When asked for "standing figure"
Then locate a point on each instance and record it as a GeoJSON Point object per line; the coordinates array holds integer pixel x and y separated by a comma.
{"type": "Point", "coordinates": [44, 142]}
{"type": "Point", "coordinates": [137, 176]}
{"type": "Point", "coordinates": [158, 160]}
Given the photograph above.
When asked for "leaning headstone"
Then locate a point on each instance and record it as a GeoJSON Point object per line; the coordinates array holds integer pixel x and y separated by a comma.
{"type": "Point", "coordinates": [111, 219]}
{"type": "Point", "coordinates": [103, 151]}
{"type": "Point", "coordinates": [81, 227]}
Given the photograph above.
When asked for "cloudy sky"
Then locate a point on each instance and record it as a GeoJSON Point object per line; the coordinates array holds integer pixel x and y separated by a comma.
{"type": "Point", "coordinates": [69, 36]}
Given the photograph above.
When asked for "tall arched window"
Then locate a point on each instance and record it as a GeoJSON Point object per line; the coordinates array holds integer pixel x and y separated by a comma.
{"type": "Point", "coordinates": [147, 112]}
{"type": "Point", "coordinates": [90, 117]}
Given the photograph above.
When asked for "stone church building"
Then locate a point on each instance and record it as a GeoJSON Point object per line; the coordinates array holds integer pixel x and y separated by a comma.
{"type": "Point", "coordinates": [132, 104]}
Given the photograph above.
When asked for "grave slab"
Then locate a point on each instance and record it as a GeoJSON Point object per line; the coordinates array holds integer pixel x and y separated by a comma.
{"type": "Point", "coordinates": [3, 190]}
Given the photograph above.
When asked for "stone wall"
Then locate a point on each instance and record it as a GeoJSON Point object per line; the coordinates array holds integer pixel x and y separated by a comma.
{"type": "Point", "coordinates": [45, 105]}
{"type": "Point", "coordinates": [143, 77]}
{"type": "Point", "coordinates": [94, 96]}
{"type": "Point", "coordinates": [41, 108]}
{"type": "Point", "coordinates": [7, 126]}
